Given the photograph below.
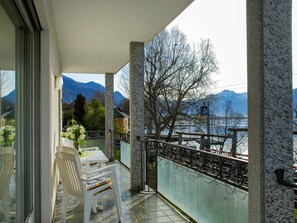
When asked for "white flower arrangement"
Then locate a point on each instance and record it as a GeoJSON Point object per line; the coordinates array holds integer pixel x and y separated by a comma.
{"type": "Point", "coordinates": [7, 135]}
{"type": "Point", "coordinates": [75, 132]}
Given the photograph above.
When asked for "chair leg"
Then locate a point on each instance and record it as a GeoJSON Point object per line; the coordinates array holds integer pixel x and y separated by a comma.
{"type": "Point", "coordinates": [4, 208]}
{"type": "Point", "coordinates": [6, 211]}
{"type": "Point", "coordinates": [87, 210]}
{"type": "Point", "coordinates": [117, 195]}
{"type": "Point", "coordinates": [64, 205]}
{"type": "Point", "coordinates": [94, 206]}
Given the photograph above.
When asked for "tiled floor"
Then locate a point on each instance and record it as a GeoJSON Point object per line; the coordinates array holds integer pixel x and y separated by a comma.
{"type": "Point", "coordinates": [138, 207]}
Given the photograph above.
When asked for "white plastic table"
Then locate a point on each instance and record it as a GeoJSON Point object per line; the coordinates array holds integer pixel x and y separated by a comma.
{"type": "Point", "coordinates": [94, 156]}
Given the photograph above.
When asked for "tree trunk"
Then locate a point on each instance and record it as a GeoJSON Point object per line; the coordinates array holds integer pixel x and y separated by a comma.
{"type": "Point", "coordinates": [171, 128]}
{"type": "Point", "coordinates": [150, 125]}
{"type": "Point", "coordinates": [157, 132]}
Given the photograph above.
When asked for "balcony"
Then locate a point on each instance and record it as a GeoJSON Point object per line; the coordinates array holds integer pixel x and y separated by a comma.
{"type": "Point", "coordinates": [138, 207]}
{"type": "Point", "coordinates": [199, 183]}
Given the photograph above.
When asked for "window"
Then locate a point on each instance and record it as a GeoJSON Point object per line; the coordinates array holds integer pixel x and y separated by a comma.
{"type": "Point", "coordinates": [7, 123]}
{"type": "Point", "coordinates": [19, 73]}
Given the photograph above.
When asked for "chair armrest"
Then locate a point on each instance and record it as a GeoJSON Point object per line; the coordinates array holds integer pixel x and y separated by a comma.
{"type": "Point", "coordinates": [102, 169]}
{"type": "Point", "coordinates": [106, 171]}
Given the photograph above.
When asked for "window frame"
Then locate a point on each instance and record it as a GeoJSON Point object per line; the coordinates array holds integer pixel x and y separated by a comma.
{"type": "Point", "coordinates": [27, 115]}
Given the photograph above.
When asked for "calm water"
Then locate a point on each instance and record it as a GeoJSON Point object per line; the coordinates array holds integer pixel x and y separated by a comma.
{"type": "Point", "coordinates": [242, 146]}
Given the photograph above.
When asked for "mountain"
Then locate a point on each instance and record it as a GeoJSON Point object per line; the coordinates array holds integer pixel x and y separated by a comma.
{"type": "Point", "coordinates": [71, 88]}
{"type": "Point", "coordinates": [10, 97]}
{"type": "Point", "coordinates": [239, 102]}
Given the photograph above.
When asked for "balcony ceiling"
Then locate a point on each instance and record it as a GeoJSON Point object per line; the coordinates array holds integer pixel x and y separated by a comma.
{"type": "Point", "coordinates": [93, 35]}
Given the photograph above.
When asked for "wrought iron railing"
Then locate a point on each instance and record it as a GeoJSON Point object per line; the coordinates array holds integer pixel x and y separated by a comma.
{"type": "Point", "coordinates": [95, 135]}
{"type": "Point", "coordinates": [207, 141]}
{"type": "Point", "coordinates": [227, 169]}
{"type": "Point", "coordinates": [101, 135]}
{"type": "Point", "coordinates": [122, 136]}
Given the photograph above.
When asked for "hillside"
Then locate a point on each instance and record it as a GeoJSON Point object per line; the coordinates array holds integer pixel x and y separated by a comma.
{"type": "Point", "coordinates": [71, 88]}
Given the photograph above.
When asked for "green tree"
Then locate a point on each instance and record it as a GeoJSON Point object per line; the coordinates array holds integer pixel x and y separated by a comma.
{"type": "Point", "coordinates": [95, 116]}
{"type": "Point", "coordinates": [100, 96]}
{"type": "Point", "coordinates": [79, 108]}
{"type": "Point", "coordinates": [67, 116]}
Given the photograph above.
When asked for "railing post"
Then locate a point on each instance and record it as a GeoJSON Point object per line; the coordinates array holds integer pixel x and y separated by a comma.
{"type": "Point", "coordinates": [234, 143]}
{"type": "Point", "coordinates": [202, 143]}
{"type": "Point", "coordinates": [180, 138]}
{"type": "Point", "coordinates": [207, 143]}
{"type": "Point", "coordinates": [146, 170]}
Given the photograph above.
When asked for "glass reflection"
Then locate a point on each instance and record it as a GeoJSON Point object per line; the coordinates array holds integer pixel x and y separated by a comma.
{"type": "Point", "coordinates": [7, 121]}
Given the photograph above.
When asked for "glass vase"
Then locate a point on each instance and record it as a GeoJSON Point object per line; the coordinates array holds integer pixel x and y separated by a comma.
{"type": "Point", "coordinates": [76, 145]}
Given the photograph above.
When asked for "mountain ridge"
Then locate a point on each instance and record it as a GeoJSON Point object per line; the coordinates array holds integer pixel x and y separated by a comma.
{"type": "Point", "coordinates": [239, 101]}
{"type": "Point", "coordinates": [71, 88]}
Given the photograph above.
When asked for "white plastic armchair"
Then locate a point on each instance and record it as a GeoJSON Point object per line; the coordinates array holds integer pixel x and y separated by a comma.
{"type": "Point", "coordinates": [86, 167]}
{"type": "Point", "coordinates": [86, 190]}
{"type": "Point", "coordinates": [6, 169]}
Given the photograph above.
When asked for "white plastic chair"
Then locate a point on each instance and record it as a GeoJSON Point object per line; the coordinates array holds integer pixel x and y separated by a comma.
{"type": "Point", "coordinates": [66, 142]}
{"type": "Point", "coordinates": [85, 190]}
{"type": "Point", "coordinates": [6, 170]}
{"type": "Point", "coordinates": [86, 167]}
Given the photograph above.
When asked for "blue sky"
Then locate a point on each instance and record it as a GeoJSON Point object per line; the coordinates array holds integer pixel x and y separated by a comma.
{"type": "Point", "coordinates": [224, 23]}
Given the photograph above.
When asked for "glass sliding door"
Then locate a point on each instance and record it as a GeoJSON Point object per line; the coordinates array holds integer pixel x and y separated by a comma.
{"type": "Point", "coordinates": [19, 91]}
{"type": "Point", "coordinates": [7, 122]}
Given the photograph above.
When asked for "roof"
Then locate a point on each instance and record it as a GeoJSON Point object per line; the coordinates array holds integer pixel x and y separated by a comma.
{"type": "Point", "coordinates": [120, 114]}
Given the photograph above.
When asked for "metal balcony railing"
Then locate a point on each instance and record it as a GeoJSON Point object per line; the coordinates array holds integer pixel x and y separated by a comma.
{"type": "Point", "coordinates": [227, 169]}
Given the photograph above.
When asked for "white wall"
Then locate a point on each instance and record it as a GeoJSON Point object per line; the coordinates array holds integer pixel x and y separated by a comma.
{"type": "Point", "coordinates": [49, 109]}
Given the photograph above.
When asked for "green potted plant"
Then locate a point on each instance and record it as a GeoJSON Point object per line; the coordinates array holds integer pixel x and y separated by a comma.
{"type": "Point", "coordinates": [7, 136]}
{"type": "Point", "coordinates": [76, 133]}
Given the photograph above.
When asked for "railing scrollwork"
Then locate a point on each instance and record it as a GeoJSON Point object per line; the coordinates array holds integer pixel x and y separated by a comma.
{"type": "Point", "coordinates": [228, 169]}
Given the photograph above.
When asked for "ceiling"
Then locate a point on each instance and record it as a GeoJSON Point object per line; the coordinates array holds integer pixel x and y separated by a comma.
{"type": "Point", "coordinates": [93, 35]}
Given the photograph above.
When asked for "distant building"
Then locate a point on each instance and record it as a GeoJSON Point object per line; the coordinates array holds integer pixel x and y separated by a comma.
{"type": "Point", "coordinates": [7, 116]}
{"type": "Point", "coordinates": [68, 107]}
{"type": "Point", "coordinates": [122, 119]}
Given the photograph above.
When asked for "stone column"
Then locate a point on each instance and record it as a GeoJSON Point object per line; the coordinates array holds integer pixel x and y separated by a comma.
{"type": "Point", "coordinates": [136, 114]}
{"type": "Point", "coordinates": [269, 109]}
{"type": "Point", "coordinates": [109, 115]}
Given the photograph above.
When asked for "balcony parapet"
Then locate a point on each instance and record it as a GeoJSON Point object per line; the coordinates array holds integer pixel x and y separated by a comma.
{"type": "Point", "coordinates": [230, 170]}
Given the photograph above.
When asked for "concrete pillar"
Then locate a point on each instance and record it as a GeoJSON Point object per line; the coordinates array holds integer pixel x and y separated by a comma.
{"type": "Point", "coordinates": [136, 114]}
{"type": "Point", "coordinates": [109, 115]}
{"type": "Point", "coordinates": [269, 109]}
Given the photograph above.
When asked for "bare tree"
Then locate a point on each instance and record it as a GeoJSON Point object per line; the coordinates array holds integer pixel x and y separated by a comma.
{"type": "Point", "coordinates": [5, 83]}
{"type": "Point", "coordinates": [5, 80]}
{"type": "Point", "coordinates": [176, 73]}
{"type": "Point", "coordinates": [124, 105]}
{"type": "Point", "coordinates": [230, 119]}
{"type": "Point", "coordinates": [228, 114]}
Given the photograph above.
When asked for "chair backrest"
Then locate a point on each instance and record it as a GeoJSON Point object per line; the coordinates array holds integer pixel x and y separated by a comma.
{"type": "Point", "coordinates": [66, 142]}
{"type": "Point", "coordinates": [70, 170]}
{"type": "Point", "coordinates": [6, 168]}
